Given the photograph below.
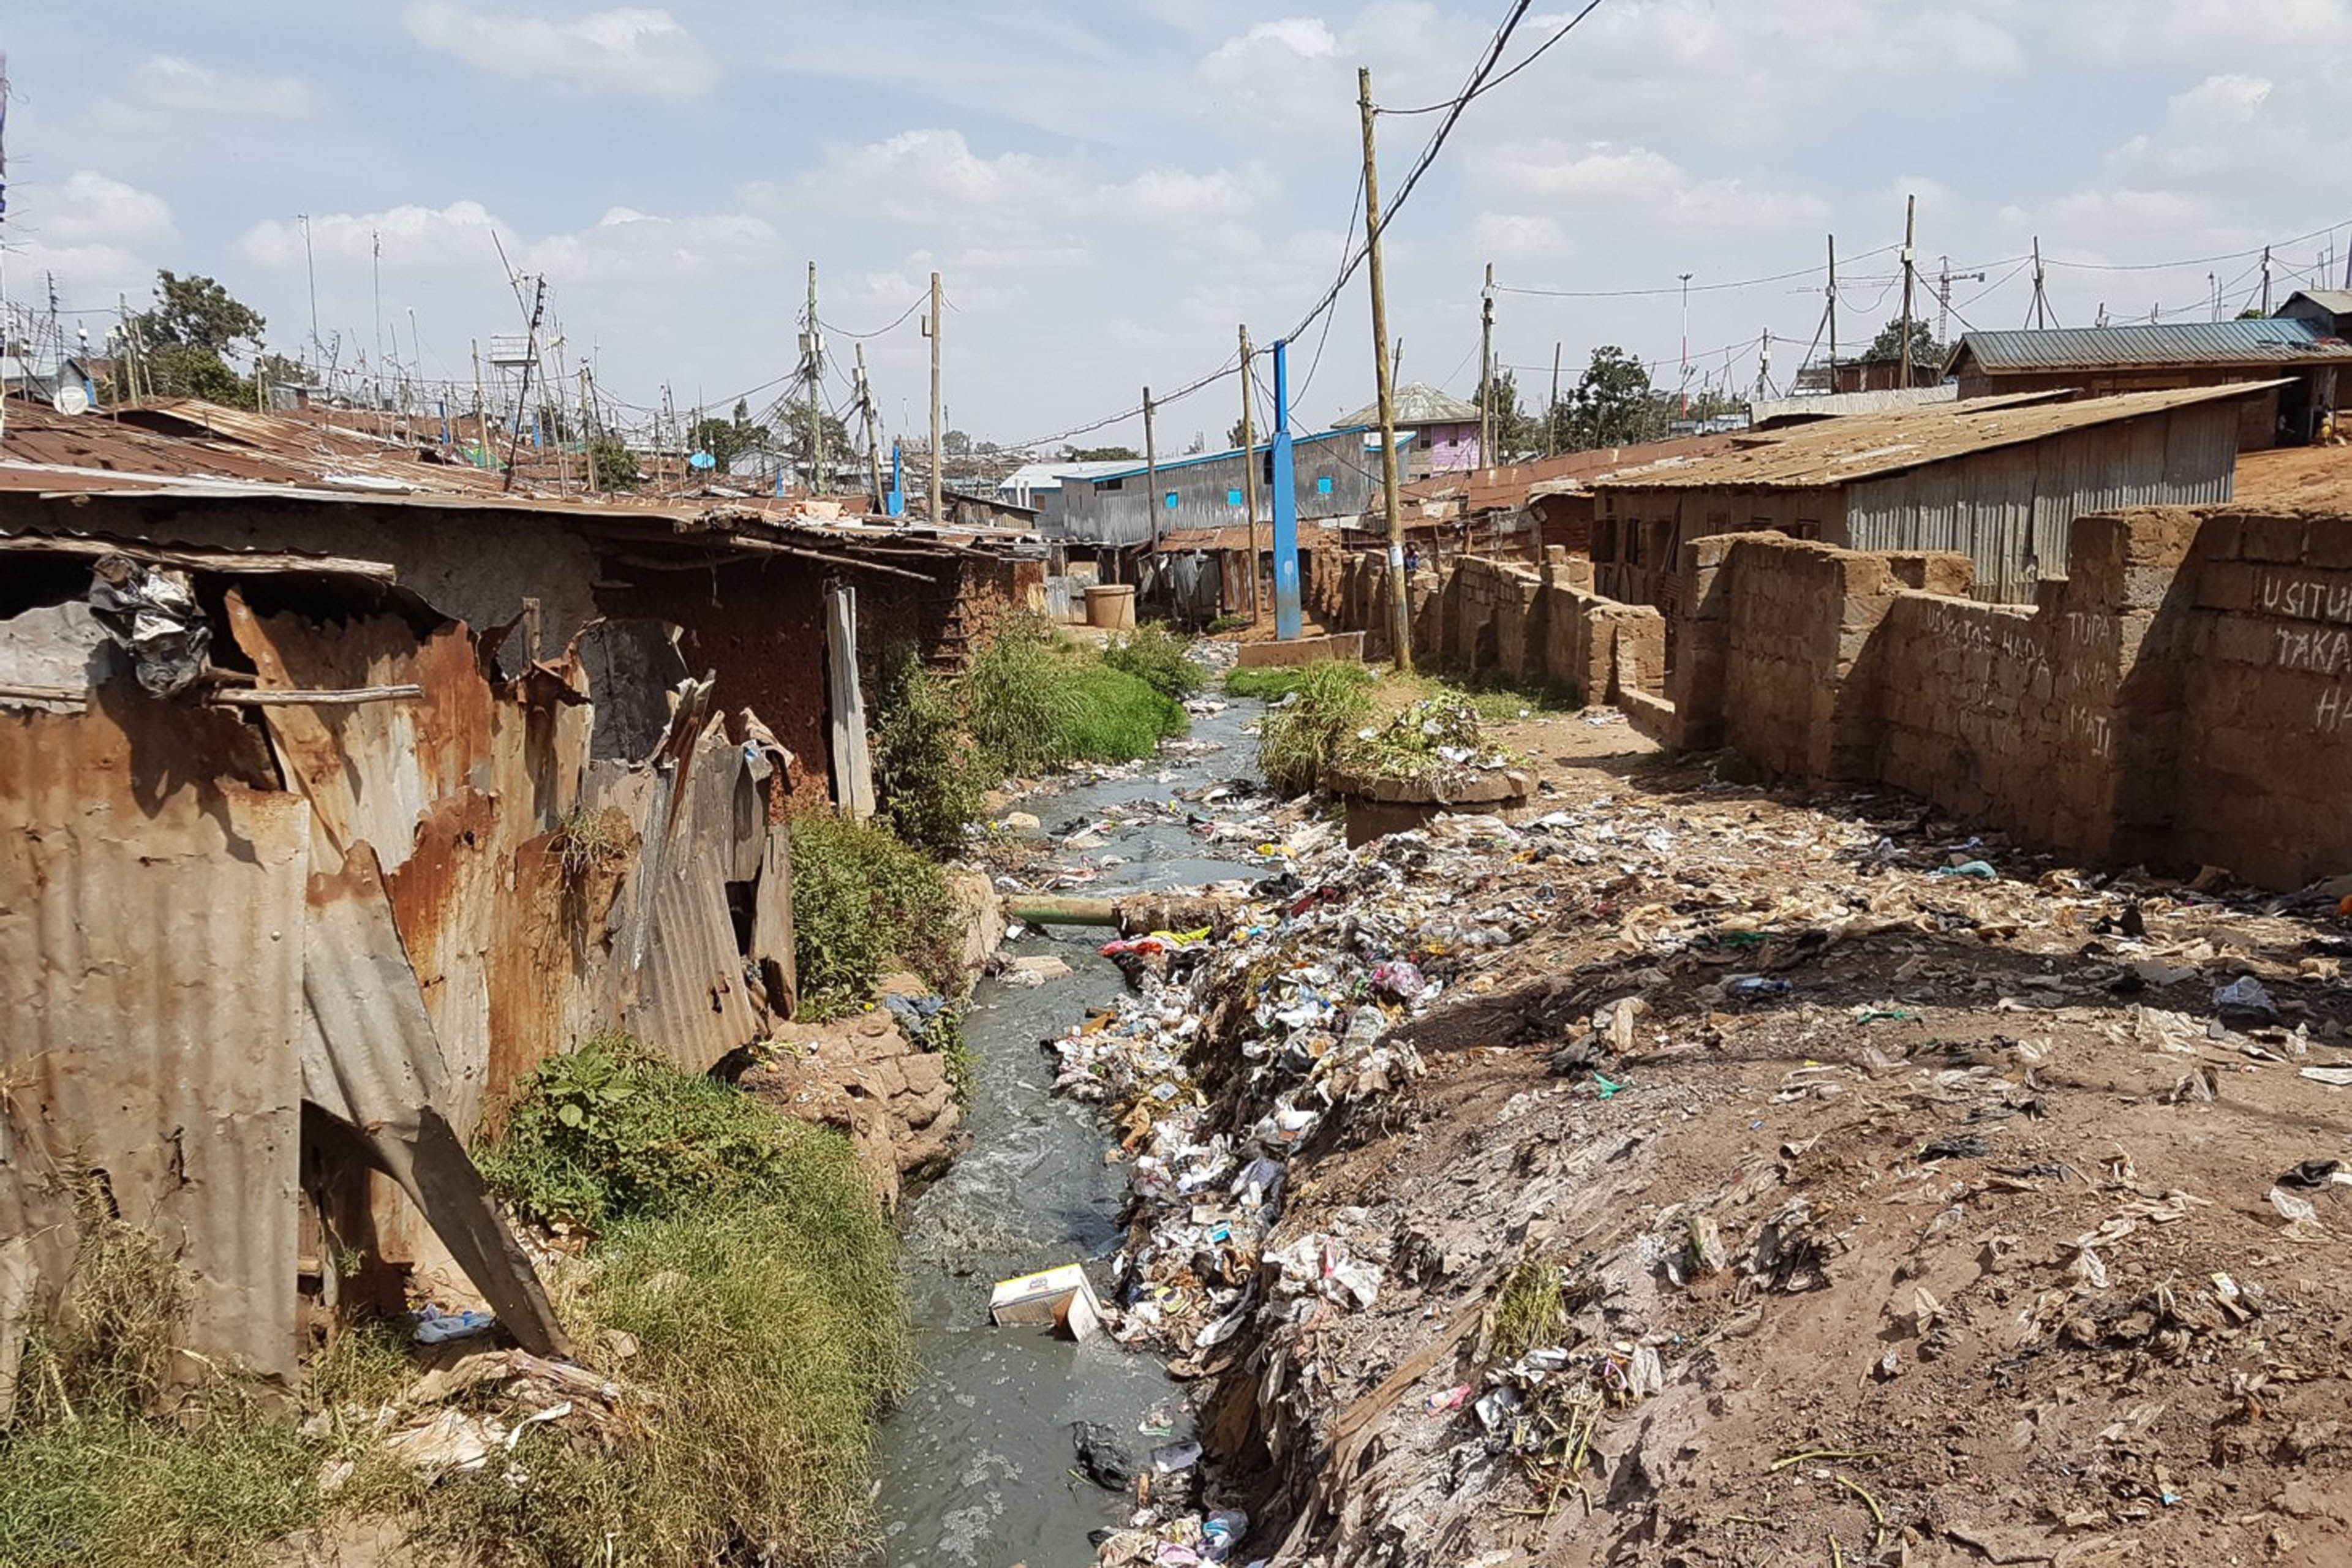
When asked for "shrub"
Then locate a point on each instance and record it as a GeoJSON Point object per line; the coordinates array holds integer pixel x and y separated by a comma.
{"type": "Point", "coordinates": [745, 1253]}
{"type": "Point", "coordinates": [1037, 704]}
{"type": "Point", "coordinates": [1272, 683]}
{"type": "Point", "coordinates": [1159, 659]}
{"type": "Point", "coordinates": [1298, 741]}
{"type": "Point", "coordinates": [861, 898]}
{"type": "Point", "coordinates": [925, 769]}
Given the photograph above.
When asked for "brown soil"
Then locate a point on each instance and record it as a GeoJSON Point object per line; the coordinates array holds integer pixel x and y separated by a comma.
{"type": "Point", "coordinates": [2025, 1355]}
{"type": "Point", "coordinates": [2296, 475]}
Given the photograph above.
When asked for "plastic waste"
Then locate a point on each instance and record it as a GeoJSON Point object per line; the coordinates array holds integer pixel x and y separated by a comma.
{"type": "Point", "coordinates": [1222, 1531]}
{"type": "Point", "coordinates": [436, 1327]}
{"type": "Point", "coordinates": [2245, 1001]}
{"type": "Point", "coordinates": [1750, 986]}
{"type": "Point", "coordinates": [1975, 870]}
{"type": "Point", "coordinates": [1102, 1457]}
{"type": "Point", "coordinates": [1171, 1458]}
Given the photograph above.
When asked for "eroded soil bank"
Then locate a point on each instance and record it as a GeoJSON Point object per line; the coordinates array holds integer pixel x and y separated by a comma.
{"type": "Point", "coordinates": [1731, 1179]}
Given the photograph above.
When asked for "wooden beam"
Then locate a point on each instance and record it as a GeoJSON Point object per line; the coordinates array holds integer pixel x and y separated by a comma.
{"type": "Point", "coordinates": [285, 699]}
{"type": "Point", "coordinates": [201, 559]}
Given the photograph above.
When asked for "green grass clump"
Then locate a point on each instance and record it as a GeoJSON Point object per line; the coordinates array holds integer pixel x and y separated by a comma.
{"type": "Point", "coordinates": [1159, 659]}
{"type": "Point", "coordinates": [746, 1254]}
{"type": "Point", "coordinates": [1275, 682]}
{"type": "Point", "coordinates": [1297, 743]}
{"type": "Point", "coordinates": [114, 1488]}
{"type": "Point", "coordinates": [1034, 703]}
{"type": "Point", "coordinates": [925, 770]}
{"type": "Point", "coordinates": [861, 899]}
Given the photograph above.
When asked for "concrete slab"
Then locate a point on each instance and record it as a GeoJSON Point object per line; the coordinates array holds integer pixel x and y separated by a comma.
{"type": "Point", "coordinates": [1302, 650]}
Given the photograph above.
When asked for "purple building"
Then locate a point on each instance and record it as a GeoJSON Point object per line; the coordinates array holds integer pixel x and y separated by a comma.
{"type": "Point", "coordinates": [1445, 431]}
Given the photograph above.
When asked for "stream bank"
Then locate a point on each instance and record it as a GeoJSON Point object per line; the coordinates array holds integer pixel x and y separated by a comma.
{"type": "Point", "coordinates": [975, 1464]}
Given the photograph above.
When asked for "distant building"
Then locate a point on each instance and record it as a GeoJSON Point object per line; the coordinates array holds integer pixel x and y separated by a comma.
{"type": "Point", "coordinates": [1445, 431]}
{"type": "Point", "coordinates": [2302, 352]}
{"type": "Point", "coordinates": [2329, 309]}
{"type": "Point", "coordinates": [1038, 485]}
{"type": "Point", "coordinates": [1337, 472]}
{"type": "Point", "coordinates": [41, 378]}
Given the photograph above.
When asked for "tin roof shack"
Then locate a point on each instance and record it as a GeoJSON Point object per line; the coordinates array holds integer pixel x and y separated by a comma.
{"type": "Point", "coordinates": [2295, 361]}
{"type": "Point", "coordinates": [744, 585]}
{"type": "Point", "coordinates": [1336, 471]}
{"type": "Point", "coordinates": [2000, 481]}
{"type": "Point", "coordinates": [1523, 509]}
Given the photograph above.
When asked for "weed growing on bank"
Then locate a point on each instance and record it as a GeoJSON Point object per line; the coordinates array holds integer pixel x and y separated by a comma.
{"type": "Point", "coordinates": [862, 899]}
{"type": "Point", "coordinates": [1035, 702]}
{"type": "Point", "coordinates": [925, 770]}
{"type": "Point", "coordinates": [1157, 657]}
{"type": "Point", "coordinates": [745, 1253]}
{"type": "Point", "coordinates": [1323, 704]}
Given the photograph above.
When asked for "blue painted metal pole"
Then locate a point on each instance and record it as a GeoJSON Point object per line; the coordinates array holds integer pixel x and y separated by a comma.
{"type": "Point", "coordinates": [1288, 619]}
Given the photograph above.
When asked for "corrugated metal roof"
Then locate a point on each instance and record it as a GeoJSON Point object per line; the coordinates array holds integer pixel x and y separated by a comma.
{"type": "Point", "coordinates": [1125, 471]}
{"type": "Point", "coordinates": [2336, 301]}
{"type": "Point", "coordinates": [1415, 403]}
{"type": "Point", "coordinates": [1839, 451]}
{"type": "Point", "coordinates": [2260, 341]}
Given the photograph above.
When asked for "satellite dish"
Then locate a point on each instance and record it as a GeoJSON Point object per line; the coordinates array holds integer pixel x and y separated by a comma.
{"type": "Point", "coordinates": [702, 461]}
{"type": "Point", "coordinates": [72, 398]}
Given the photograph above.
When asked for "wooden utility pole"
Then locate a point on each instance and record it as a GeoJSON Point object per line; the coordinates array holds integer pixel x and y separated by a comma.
{"type": "Point", "coordinates": [815, 361]}
{"type": "Point", "coordinates": [873, 449]}
{"type": "Point", "coordinates": [2041, 308]}
{"type": "Point", "coordinates": [2266, 280]}
{"type": "Point", "coordinates": [531, 359]}
{"type": "Point", "coordinates": [587, 437]}
{"type": "Point", "coordinates": [1249, 479]}
{"type": "Point", "coordinates": [1400, 607]}
{"type": "Point", "coordinates": [936, 435]}
{"type": "Point", "coordinates": [1833, 292]}
{"type": "Point", "coordinates": [1551, 409]}
{"type": "Point", "coordinates": [1910, 211]}
{"type": "Point", "coordinates": [1486, 370]}
{"type": "Point", "coordinates": [481, 409]}
{"type": "Point", "coordinates": [1151, 468]}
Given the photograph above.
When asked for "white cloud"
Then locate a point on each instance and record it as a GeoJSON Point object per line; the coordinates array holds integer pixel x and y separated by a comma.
{"type": "Point", "coordinates": [1633, 187]}
{"type": "Point", "coordinates": [629, 51]}
{"type": "Point", "coordinates": [97, 235]}
{"type": "Point", "coordinates": [458, 235]}
{"type": "Point", "coordinates": [626, 246]}
{"type": "Point", "coordinates": [1519, 237]}
{"type": "Point", "coordinates": [167, 94]}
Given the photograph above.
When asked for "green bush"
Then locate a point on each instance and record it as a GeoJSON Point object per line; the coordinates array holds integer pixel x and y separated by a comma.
{"type": "Point", "coordinates": [1035, 704]}
{"type": "Point", "coordinates": [1328, 702]}
{"type": "Point", "coordinates": [925, 768]}
{"type": "Point", "coordinates": [1159, 659]}
{"type": "Point", "coordinates": [862, 899]}
{"type": "Point", "coordinates": [1275, 682]}
{"type": "Point", "coordinates": [745, 1253]}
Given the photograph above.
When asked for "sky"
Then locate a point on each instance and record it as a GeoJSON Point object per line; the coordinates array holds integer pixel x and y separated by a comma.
{"type": "Point", "coordinates": [1112, 189]}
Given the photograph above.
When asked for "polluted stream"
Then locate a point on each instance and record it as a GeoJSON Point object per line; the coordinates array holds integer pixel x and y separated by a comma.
{"type": "Point", "coordinates": [977, 1464]}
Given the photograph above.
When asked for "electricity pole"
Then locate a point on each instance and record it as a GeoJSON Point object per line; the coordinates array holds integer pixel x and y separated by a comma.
{"type": "Point", "coordinates": [1832, 293]}
{"type": "Point", "coordinates": [587, 440]}
{"type": "Point", "coordinates": [2266, 280]}
{"type": "Point", "coordinates": [1151, 468]}
{"type": "Point", "coordinates": [1486, 370]}
{"type": "Point", "coordinates": [1685, 374]}
{"type": "Point", "coordinates": [935, 398]}
{"type": "Point", "coordinates": [816, 358]}
{"type": "Point", "coordinates": [2041, 301]}
{"type": "Point", "coordinates": [1551, 409]}
{"type": "Point", "coordinates": [873, 451]}
{"type": "Point", "coordinates": [1400, 607]}
{"type": "Point", "coordinates": [1249, 478]}
{"type": "Point", "coordinates": [1910, 211]}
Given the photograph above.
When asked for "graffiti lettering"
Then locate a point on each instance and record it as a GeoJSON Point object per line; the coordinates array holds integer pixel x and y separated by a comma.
{"type": "Point", "coordinates": [2318, 652]}
{"type": "Point", "coordinates": [2305, 599]}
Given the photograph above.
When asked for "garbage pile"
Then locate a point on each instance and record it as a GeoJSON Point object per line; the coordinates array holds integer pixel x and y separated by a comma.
{"type": "Point", "coordinates": [478, 1409]}
{"type": "Point", "coordinates": [1435, 736]}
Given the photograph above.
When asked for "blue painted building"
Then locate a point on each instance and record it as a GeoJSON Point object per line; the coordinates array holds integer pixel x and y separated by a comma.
{"type": "Point", "coordinates": [1337, 473]}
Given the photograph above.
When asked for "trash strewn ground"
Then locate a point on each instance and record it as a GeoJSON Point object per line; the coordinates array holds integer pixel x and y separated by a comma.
{"type": "Point", "coordinates": [1679, 1173]}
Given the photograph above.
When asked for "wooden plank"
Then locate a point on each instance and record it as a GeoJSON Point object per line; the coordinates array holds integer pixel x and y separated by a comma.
{"type": "Point", "coordinates": [201, 560]}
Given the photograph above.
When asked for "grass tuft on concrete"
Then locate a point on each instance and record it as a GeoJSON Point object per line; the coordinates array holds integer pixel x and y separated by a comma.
{"type": "Point", "coordinates": [1322, 706]}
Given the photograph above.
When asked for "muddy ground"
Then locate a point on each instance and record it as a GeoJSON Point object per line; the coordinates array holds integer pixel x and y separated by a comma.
{"type": "Point", "coordinates": [1963, 1248]}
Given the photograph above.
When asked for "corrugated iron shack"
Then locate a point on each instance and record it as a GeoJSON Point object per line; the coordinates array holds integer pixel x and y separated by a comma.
{"type": "Point", "coordinates": [1335, 474]}
{"type": "Point", "coordinates": [2001, 480]}
{"type": "Point", "coordinates": [343, 791]}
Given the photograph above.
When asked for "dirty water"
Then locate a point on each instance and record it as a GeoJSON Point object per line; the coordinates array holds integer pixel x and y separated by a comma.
{"type": "Point", "coordinates": [976, 1465]}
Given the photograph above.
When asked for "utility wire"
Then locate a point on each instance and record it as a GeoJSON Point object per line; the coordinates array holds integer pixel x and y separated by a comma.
{"type": "Point", "coordinates": [1532, 58]}
{"type": "Point", "coordinates": [893, 327]}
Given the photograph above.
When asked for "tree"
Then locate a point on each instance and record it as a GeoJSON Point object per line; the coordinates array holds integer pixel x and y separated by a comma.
{"type": "Point", "coordinates": [728, 439]}
{"type": "Point", "coordinates": [1516, 430]}
{"type": "Point", "coordinates": [956, 444]}
{"type": "Point", "coordinates": [1103, 454]}
{"type": "Point", "coordinates": [1886, 348]}
{"type": "Point", "coordinates": [184, 340]}
{"type": "Point", "coordinates": [836, 438]}
{"type": "Point", "coordinates": [616, 465]}
{"type": "Point", "coordinates": [1234, 434]}
{"type": "Point", "coordinates": [198, 313]}
{"type": "Point", "coordinates": [1613, 404]}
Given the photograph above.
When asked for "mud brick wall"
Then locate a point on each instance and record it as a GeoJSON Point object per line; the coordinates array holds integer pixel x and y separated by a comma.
{"type": "Point", "coordinates": [2180, 698]}
{"type": "Point", "coordinates": [1543, 627]}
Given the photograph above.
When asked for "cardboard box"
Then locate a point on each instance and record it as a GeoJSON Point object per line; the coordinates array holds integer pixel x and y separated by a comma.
{"type": "Point", "coordinates": [1060, 1299]}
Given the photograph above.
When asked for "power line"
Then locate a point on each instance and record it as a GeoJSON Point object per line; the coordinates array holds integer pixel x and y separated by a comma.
{"type": "Point", "coordinates": [1489, 87]}
{"type": "Point", "coordinates": [893, 327]}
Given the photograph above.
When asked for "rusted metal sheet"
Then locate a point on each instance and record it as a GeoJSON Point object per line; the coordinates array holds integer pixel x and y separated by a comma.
{"type": "Point", "coordinates": [150, 952]}
{"type": "Point", "coordinates": [370, 1057]}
